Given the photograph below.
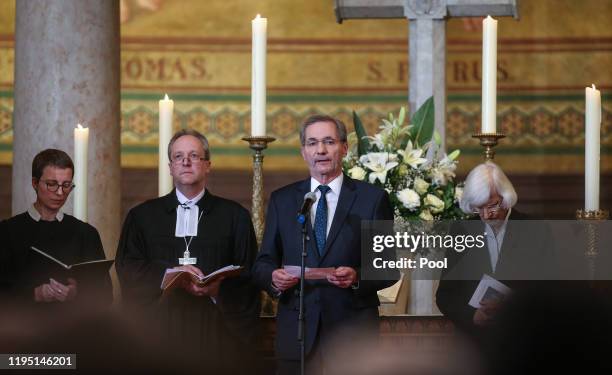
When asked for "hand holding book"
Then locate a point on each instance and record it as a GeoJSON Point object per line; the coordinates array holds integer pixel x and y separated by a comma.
{"type": "Point", "coordinates": [193, 280]}
{"type": "Point", "coordinates": [55, 291]}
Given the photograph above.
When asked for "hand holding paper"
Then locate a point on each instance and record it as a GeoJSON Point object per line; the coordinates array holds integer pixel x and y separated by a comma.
{"type": "Point", "coordinates": [283, 279]}
{"type": "Point", "coordinates": [343, 277]}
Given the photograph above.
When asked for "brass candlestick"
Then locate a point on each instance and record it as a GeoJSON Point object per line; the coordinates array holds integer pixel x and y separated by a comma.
{"type": "Point", "coordinates": [258, 144]}
{"type": "Point", "coordinates": [488, 141]}
{"type": "Point", "coordinates": [592, 232]}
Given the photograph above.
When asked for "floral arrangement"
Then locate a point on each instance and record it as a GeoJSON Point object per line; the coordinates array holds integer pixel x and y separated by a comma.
{"type": "Point", "coordinates": [406, 161]}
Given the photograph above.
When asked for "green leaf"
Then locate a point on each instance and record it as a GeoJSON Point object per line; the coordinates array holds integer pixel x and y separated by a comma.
{"type": "Point", "coordinates": [363, 144]}
{"type": "Point", "coordinates": [423, 123]}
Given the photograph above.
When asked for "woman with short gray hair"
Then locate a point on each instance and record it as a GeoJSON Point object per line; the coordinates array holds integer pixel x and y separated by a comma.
{"type": "Point", "coordinates": [480, 184]}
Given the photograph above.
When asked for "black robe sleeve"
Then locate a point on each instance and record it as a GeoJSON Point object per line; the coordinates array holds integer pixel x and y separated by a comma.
{"type": "Point", "coordinates": [270, 256]}
{"type": "Point", "coordinates": [140, 275]}
{"type": "Point", "coordinates": [99, 291]}
{"type": "Point", "coordinates": [5, 270]}
{"type": "Point", "coordinates": [238, 297]}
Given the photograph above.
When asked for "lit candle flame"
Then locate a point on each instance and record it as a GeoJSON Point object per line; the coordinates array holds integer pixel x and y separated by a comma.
{"type": "Point", "coordinates": [166, 97]}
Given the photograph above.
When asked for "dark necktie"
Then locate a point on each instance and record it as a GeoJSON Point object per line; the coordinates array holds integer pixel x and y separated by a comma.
{"type": "Point", "coordinates": [320, 224]}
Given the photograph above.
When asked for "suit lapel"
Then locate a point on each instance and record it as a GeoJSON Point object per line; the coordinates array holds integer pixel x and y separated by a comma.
{"type": "Point", "coordinates": [345, 202]}
{"type": "Point", "coordinates": [508, 250]}
{"type": "Point", "coordinates": [485, 258]}
{"type": "Point", "coordinates": [304, 188]}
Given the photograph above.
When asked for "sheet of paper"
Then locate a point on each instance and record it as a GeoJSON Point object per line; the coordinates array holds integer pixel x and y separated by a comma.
{"type": "Point", "coordinates": [311, 273]}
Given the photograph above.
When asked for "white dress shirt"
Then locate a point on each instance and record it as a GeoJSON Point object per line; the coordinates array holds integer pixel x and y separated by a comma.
{"type": "Point", "coordinates": [332, 199]}
{"type": "Point", "coordinates": [494, 242]}
{"type": "Point", "coordinates": [35, 215]}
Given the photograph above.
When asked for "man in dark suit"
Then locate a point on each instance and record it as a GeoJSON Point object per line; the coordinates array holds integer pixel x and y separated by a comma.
{"type": "Point", "coordinates": [342, 304]}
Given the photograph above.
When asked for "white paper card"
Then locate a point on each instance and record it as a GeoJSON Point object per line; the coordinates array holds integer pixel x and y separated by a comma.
{"type": "Point", "coordinates": [488, 288]}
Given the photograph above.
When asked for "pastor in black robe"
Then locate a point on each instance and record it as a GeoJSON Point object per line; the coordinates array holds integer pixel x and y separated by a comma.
{"type": "Point", "coordinates": [219, 333]}
{"type": "Point", "coordinates": [69, 240]}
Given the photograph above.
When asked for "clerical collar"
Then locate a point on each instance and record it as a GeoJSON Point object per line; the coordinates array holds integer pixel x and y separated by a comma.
{"type": "Point", "coordinates": [187, 216]}
{"type": "Point", "coordinates": [183, 200]}
{"type": "Point", "coordinates": [35, 215]}
{"type": "Point", "coordinates": [335, 185]}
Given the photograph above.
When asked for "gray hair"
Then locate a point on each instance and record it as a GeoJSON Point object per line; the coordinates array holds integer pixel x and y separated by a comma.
{"type": "Point", "coordinates": [193, 133]}
{"type": "Point", "coordinates": [340, 127]}
{"type": "Point", "coordinates": [483, 180]}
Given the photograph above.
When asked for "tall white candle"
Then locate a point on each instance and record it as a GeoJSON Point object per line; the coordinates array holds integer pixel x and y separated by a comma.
{"type": "Point", "coordinates": [166, 109]}
{"type": "Point", "coordinates": [489, 75]}
{"type": "Point", "coordinates": [592, 121]}
{"type": "Point", "coordinates": [81, 141]}
{"type": "Point", "coordinates": [258, 77]}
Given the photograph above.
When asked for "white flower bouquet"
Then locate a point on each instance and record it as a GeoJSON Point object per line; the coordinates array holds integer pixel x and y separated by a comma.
{"type": "Point", "coordinates": [406, 161]}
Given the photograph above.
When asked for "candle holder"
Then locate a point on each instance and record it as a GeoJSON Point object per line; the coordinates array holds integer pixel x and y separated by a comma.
{"type": "Point", "coordinates": [592, 232]}
{"type": "Point", "coordinates": [258, 144]}
{"type": "Point", "coordinates": [488, 141]}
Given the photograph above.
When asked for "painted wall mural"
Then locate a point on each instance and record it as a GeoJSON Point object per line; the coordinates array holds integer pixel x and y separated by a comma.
{"type": "Point", "coordinates": [200, 54]}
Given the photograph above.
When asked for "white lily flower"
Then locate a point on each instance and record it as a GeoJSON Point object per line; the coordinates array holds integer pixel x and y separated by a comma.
{"type": "Point", "coordinates": [377, 140]}
{"type": "Point", "coordinates": [444, 171]}
{"type": "Point", "coordinates": [379, 164]}
{"type": "Point", "coordinates": [412, 156]}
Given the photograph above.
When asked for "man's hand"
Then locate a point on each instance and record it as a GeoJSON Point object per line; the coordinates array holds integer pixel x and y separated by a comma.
{"type": "Point", "coordinates": [211, 289]}
{"type": "Point", "coordinates": [485, 314]}
{"type": "Point", "coordinates": [189, 268]}
{"type": "Point", "coordinates": [282, 280]}
{"type": "Point", "coordinates": [343, 277]}
{"type": "Point", "coordinates": [56, 291]}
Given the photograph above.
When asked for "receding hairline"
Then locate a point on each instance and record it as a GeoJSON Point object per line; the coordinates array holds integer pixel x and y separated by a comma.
{"type": "Point", "coordinates": [333, 124]}
{"type": "Point", "coordinates": [338, 125]}
{"type": "Point", "coordinates": [201, 138]}
{"type": "Point", "coordinates": [187, 135]}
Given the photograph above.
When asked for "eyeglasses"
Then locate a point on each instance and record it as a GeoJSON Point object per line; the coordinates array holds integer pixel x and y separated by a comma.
{"type": "Point", "coordinates": [492, 209]}
{"type": "Point", "coordinates": [54, 186]}
{"type": "Point", "coordinates": [193, 158]}
{"type": "Point", "coordinates": [328, 142]}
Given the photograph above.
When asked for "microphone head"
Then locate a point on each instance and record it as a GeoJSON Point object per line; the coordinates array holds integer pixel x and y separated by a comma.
{"type": "Point", "coordinates": [311, 195]}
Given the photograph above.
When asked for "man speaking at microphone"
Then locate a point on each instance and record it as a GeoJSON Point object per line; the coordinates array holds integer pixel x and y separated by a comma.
{"type": "Point", "coordinates": [340, 306]}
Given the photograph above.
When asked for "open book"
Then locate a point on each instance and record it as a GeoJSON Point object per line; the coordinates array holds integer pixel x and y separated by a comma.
{"type": "Point", "coordinates": [174, 277]}
{"type": "Point", "coordinates": [89, 269]}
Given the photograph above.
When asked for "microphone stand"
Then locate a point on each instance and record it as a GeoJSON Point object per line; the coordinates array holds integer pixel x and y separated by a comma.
{"type": "Point", "coordinates": [303, 219]}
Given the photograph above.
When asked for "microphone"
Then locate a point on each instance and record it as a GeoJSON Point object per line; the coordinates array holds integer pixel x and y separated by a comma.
{"type": "Point", "coordinates": [309, 199]}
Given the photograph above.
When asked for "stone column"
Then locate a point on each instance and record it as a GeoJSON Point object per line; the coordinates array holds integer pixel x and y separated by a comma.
{"type": "Point", "coordinates": [67, 72]}
{"type": "Point", "coordinates": [427, 55]}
